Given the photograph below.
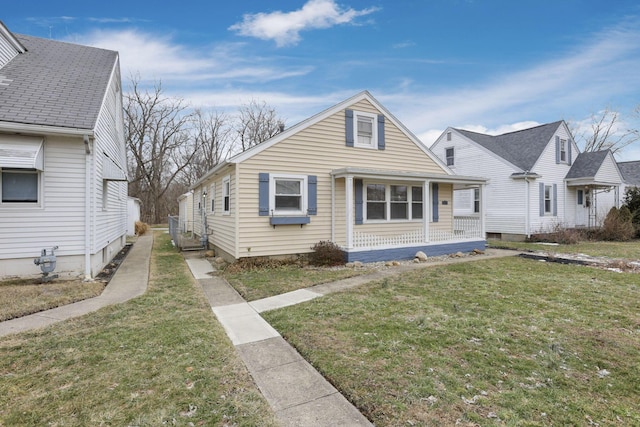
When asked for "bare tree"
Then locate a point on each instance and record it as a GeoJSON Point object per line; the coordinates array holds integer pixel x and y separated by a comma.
{"type": "Point", "coordinates": [212, 136]}
{"type": "Point", "coordinates": [257, 122]}
{"type": "Point", "coordinates": [607, 131]}
{"type": "Point", "coordinates": [157, 130]}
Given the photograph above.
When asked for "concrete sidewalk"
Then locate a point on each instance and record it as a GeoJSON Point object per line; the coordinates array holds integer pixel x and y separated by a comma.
{"type": "Point", "coordinates": [297, 393]}
{"type": "Point", "coordinates": [130, 281]}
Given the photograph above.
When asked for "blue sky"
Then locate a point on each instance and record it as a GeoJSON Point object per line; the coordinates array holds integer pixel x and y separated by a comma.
{"type": "Point", "coordinates": [485, 65]}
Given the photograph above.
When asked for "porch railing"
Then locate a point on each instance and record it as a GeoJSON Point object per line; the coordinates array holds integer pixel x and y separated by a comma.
{"type": "Point", "coordinates": [464, 227]}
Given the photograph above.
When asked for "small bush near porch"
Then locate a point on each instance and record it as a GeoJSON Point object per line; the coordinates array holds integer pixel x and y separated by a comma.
{"type": "Point", "coordinates": [496, 342]}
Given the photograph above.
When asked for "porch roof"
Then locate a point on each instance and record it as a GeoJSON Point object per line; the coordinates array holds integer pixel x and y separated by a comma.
{"type": "Point", "coordinates": [407, 176]}
{"type": "Point", "coordinates": [590, 182]}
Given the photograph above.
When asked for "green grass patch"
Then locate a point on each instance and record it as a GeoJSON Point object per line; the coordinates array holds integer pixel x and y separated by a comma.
{"type": "Point", "coordinates": [623, 250]}
{"type": "Point", "coordinates": [257, 283]}
{"type": "Point", "coordinates": [497, 342]}
{"type": "Point", "coordinates": [159, 359]}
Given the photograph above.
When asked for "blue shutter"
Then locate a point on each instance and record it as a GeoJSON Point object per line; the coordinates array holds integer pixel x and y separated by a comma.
{"type": "Point", "coordinates": [380, 132]}
{"type": "Point", "coordinates": [569, 151]}
{"type": "Point", "coordinates": [348, 127]}
{"type": "Point", "coordinates": [359, 196]}
{"type": "Point", "coordinates": [541, 199]}
{"type": "Point", "coordinates": [557, 149]}
{"type": "Point", "coordinates": [312, 196]}
{"type": "Point", "coordinates": [555, 200]}
{"type": "Point", "coordinates": [263, 194]}
{"type": "Point", "coordinates": [434, 199]}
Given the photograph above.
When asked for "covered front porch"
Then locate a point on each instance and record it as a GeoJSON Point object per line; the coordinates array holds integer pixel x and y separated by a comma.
{"type": "Point", "coordinates": [390, 215]}
{"type": "Point", "coordinates": [592, 200]}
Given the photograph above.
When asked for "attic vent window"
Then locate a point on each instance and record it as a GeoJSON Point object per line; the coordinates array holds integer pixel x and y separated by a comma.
{"type": "Point", "coordinates": [448, 136]}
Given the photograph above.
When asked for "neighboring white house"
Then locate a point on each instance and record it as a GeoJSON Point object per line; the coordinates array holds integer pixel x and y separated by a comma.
{"type": "Point", "coordinates": [537, 179]}
{"type": "Point", "coordinates": [352, 174]}
{"type": "Point", "coordinates": [62, 155]}
{"type": "Point", "coordinates": [185, 212]}
{"type": "Point", "coordinates": [133, 214]}
{"type": "Point", "coordinates": [630, 176]}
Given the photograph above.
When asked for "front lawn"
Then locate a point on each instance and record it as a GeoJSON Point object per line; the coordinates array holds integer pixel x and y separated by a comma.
{"type": "Point", "coordinates": [495, 342]}
{"type": "Point", "coordinates": [624, 250]}
{"type": "Point", "coordinates": [159, 359]}
{"type": "Point", "coordinates": [257, 283]}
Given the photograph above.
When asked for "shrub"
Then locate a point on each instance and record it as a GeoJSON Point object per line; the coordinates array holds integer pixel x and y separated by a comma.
{"type": "Point", "coordinates": [141, 228]}
{"type": "Point", "coordinates": [559, 234]}
{"type": "Point", "coordinates": [326, 253]}
{"type": "Point", "coordinates": [617, 226]}
{"type": "Point", "coordinates": [260, 263]}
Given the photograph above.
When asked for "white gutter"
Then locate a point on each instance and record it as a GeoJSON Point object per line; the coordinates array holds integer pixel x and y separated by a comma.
{"type": "Point", "coordinates": [40, 129]}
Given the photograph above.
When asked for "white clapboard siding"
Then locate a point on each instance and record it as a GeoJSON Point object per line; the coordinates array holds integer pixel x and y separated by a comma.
{"type": "Point", "coordinates": [59, 218]}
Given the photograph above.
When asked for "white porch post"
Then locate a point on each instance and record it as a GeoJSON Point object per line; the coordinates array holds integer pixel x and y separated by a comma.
{"type": "Point", "coordinates": [333, 208]}
{"type": "Point", "coordinates": [348, 183]}
{"type": "Point", "coordinates": [426, 208]}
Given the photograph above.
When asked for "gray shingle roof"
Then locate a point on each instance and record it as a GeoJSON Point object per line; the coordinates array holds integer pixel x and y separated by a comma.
{"type": "Point", "coordinates": [521, 148]}
{"type": "Point", "coordinates": [586, 165]}
{"type": "Point", "coordinates": [55, 84]}
{"type": "Point", "coordinates": [630, 172]}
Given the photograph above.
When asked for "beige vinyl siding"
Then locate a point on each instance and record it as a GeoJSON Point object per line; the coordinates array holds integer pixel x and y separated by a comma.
{"type": "Point", "coordinates": [220, 226]}
{"type": "Point", "coordinates": [317, 150]}
{"type": "Point", "coordinates": [59, 220]}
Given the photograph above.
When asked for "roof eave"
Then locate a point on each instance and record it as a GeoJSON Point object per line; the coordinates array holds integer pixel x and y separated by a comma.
{"type": "Point", "coordinates": [35, 129]}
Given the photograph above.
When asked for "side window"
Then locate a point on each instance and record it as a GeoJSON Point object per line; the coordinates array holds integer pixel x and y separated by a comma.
{"type": "Point", "coordinates": [20, 186]}
{"type": "Point", "coordinates": [226, 194]}
{"type": "Point", "coordinates": [212, 197]}
{"type": "Point", "coordinates": [476, 200]}
{"type": "Point", "coordinates": [376, 202]}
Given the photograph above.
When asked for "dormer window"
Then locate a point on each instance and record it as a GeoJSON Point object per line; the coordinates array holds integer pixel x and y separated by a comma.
{"type": "Point", "coordinates": [365, 130]}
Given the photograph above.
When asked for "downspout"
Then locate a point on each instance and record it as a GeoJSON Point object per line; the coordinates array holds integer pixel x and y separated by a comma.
{"type": "Point", "coordinates": [87, 208]}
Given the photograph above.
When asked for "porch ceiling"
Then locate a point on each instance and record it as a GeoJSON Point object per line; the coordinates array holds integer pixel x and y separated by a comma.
{"type": "Point", "coordinates": [406, 176]}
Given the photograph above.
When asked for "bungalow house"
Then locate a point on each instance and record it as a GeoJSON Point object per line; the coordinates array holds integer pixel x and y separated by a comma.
{"type": "Point", "coordinates": [352, 174]}
{"type": "Point", "coordinates": [538, 179]}
{"type": "Point", "coordinates": [630, 172]}
{"type": "Point", "coordinates": [62, 156]}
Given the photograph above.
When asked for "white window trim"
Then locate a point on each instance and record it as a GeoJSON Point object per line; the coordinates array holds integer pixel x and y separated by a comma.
{"type": "Point", "coordinates": [565, 151]}
{"type": "Point", "coordinates": [374, 130]}
{"type": "Point", "coordinates": [387, 201]}
{"type": "Point", "coordinates": [550, 211]}
{"type": "Point", "coordinates": [303, 192]}
{"type": "Point", "coordinates": [23, 205]}
{"type": "Point", "coordinates": [226, 192]}
{"type": "Point", "coordinates": [453, 156]}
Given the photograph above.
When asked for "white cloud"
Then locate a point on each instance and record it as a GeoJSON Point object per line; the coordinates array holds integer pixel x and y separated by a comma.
{"type": "Point", "coordinates": [285, 27]}
{"type": "Point", "coordinates": [156, 57]}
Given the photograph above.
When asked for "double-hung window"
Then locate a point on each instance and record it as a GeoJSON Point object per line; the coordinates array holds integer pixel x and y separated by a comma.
{"type": "Point", "coordinates": [449, 154]}
{"type": "Point", "coordinates": [476, 200]}
{"type": "Point", "coordinates": [376, 202]}
{"type": "Point", "coordinates": [547, 199]}
{"type": "Point", "coordinates": [393, 202]}
{"type": "Point", "coordinates": [20, 186]}
{"type": "Point", "coordinates": [226, 195]}
{"type": "Point", "coordinates": [366, 132]}
{"type": "Point", "coordinates": [563, 150]}
{"type": "Point", "coordinates": [289, 196]}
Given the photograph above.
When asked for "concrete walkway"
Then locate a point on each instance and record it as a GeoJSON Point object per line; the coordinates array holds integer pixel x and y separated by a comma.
{"type": "Point", "coordinates": [130, 281]}
{"type": "Point", "coordinates": [297, 393]}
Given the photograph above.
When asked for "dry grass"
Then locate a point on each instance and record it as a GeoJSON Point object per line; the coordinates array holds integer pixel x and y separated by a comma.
{"type": "Point", "coordinates": [159, 359]}
{"type": "Point", "coordinates": [491, 343]}
{"type": "Point", "coordinates": [19, 297]}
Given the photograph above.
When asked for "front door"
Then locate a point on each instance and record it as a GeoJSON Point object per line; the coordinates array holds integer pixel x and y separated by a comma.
{"type": "Point", "coordinates": [582, 208]}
